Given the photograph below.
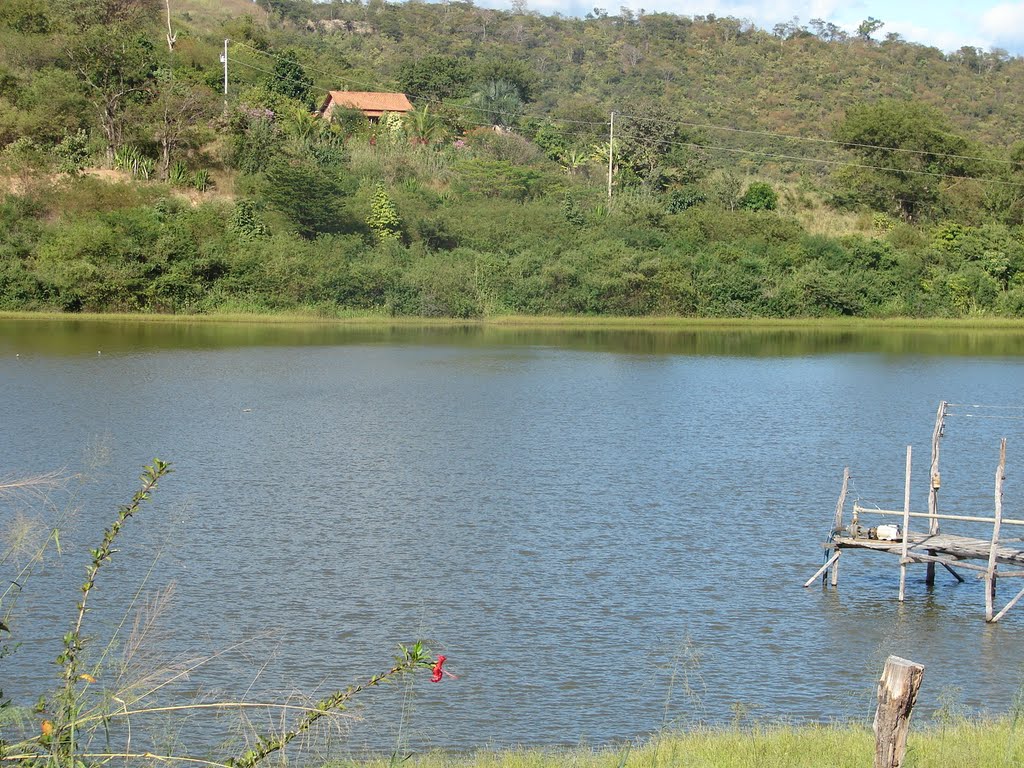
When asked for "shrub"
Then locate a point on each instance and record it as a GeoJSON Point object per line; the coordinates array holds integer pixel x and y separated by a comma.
{"type": "Point", "coordinates": [72, 152]}
{"type": "Point", "coordinates": [684, 197]}
{"type": "Point", "coordinates": [759, 197]}
{"type": "Point", "coordinates": [498, 178]}
{"type": "Point", "coordinates": [442, 285]}
{"type": "Point", "coordinates": [246, 221]}
{"type": "Point", "coordinates": [178, 174]}
{"type": "Point", "coordinates": [383, 220]}
{"type": "Point", "coordinates": [201, 180]}
{"type": "Point", "coordinates": [131, 160]}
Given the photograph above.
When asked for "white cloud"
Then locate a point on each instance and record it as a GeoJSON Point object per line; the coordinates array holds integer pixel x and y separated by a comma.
{"type": "Point", "coordinates": [945, 24]}
{"type": "Point", "coordinates": [943, 39]}
{"type": "Point", "coordinates": [1005, 23]}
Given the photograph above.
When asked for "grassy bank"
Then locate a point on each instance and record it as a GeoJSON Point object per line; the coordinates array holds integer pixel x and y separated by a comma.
{"type": "Point", "coordinates": [963, 744]}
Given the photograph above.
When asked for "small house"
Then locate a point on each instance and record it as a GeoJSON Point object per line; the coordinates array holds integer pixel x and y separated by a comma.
{"type": "Point", "coordinates": [370, 103]}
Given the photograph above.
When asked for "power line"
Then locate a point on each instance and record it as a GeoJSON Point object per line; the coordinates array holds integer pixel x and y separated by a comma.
{"type": "Point", "coordinates": [823, 161]}
{"type": "Point", "coordinates": [690, 145]}
{"type": "Point", "coordinates": [815, 139]}
{"type": "Point", "coordinates": [432, 98]}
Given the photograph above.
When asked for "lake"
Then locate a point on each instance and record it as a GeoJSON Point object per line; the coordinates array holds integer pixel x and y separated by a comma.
{"type": "Point", "coordinates": [606, 532]}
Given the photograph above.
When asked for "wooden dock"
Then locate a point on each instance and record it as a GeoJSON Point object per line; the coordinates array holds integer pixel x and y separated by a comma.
{"type": "Point", "coordinates": [932, 547]}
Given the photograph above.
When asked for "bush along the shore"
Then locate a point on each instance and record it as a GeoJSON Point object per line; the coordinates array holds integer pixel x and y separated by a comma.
{"type": "Point", "coordinates": [92, 699]}
{"type": "Point", "coordinates": [86, 245]}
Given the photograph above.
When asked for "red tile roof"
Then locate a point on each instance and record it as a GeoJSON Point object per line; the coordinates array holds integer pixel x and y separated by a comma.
{"type": "Point", "coordinates": [372, 104]}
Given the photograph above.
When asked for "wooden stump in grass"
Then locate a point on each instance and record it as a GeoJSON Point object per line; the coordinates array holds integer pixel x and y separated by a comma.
{"type": "Point", "coordinates": [897, 694]}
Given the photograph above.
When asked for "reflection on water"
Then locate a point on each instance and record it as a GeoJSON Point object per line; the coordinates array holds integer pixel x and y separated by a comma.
{"type": "Point", "coordinates": [605, 531]}
{"type": "Point", "coordinates": [61, 337]}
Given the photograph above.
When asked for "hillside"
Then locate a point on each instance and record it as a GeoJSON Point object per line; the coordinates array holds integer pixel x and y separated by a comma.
{"type": "Point", "coordinates": [799, 172]}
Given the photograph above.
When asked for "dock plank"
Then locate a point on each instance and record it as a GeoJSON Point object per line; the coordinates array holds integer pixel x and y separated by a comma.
{"type": "Point", "coordinates": [960, 547]}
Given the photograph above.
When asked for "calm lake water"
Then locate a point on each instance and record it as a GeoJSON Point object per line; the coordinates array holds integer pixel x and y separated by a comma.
{"type": "Point", "coordinates": [605, 531]}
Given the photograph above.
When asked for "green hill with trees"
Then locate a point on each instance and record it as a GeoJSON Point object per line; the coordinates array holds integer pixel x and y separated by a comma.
{"type": "Point", "coordinates": [798, 171]}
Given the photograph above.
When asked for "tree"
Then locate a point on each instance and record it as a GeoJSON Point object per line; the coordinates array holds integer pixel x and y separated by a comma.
{"type": "Point", "coordinates": [827, 31]}
{"type": "Point", "coordinates": [425, 127]}
{"type": "Point", "coordinates": [290, 79]}
{"type": "Point", "coordinates": [309, 197]}
{"type": "Point", "coordinates": [177, 113]}
{"type": "Point", "coordinates": [117, 65]}
{"type": "Point", "coordinates": [868, 27]}
{"type": "Point", "coordinates": [516, 72]}
{"type": "Point", "coordinates": [789, 29]}
{"type": "Point", "coordinates": [655, 147]}
{"type": "Point", "coordinates": [904, 150]}
{"type": "Point", "coordinates": [437, 77]}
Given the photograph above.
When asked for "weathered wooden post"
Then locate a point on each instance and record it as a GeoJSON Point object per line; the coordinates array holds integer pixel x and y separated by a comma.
{"type": "Point", "coordinates": [897, 694]}
{"type": "Point", "coordinates": [935, 482]}
{"type": "Point", "coordinates": [906, 527]}
{"type": "Point", "coordinates": [837, 523]}
{"type": "Point", "coordinates": [990, 573]}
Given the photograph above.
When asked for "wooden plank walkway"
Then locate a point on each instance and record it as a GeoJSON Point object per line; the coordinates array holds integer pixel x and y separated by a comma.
{"type": "Point", "coordinates": [940, 545]}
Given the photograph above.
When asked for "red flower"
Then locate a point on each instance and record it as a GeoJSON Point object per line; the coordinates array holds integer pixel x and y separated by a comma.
{"type": "Point", "coordinates": [437, 672]}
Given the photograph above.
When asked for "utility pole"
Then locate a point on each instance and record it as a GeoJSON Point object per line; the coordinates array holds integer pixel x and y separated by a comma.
{"type": "Point", "coordinates": [224, 61]}
{"type": "Point", "coordinates": [611, 151]}
{"type": "Point", "coordinates": [172, 36]}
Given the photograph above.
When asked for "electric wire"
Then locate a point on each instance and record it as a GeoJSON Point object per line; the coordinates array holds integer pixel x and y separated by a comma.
{"type": "Point", "coordinates": [690, 145]}
{"type": "Point", "coordinates": [824, 161]}
{"type": "Point", "coordinates": [816, 139]}
{"type": "Point", "coordinates": [704, 126]}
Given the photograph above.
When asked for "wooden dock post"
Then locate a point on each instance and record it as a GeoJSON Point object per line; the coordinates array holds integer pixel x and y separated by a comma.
{"type": "Point", "coordinates": [934, 482]}
{"type": "Point", "coordinates": [837, 523]}
{"type": "Point", "coordinates": [906, 527]}
{"type": "Point", "coordinates": [897, 694]}
{"type": "Point", "coordinates": [990, 573]}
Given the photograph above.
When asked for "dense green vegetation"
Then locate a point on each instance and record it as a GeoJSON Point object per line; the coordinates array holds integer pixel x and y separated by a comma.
{"type": "Point", "coordinates": [797, 172]}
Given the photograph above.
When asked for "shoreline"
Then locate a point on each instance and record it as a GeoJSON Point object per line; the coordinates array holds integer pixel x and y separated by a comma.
{"type": "Point", "coordinates": [553, 322]}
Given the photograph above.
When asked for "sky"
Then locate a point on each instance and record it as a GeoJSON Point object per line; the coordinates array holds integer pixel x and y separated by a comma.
{"type": "Point", "coordinates": [945, 24]}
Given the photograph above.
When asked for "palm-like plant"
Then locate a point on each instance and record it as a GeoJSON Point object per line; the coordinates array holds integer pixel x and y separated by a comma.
{"type": "Point", "coordinates": [424, 127]}
{"type": "Point", "coordinates": [574, 159]}
{"type": "Point", "coordinates": [499, 102]}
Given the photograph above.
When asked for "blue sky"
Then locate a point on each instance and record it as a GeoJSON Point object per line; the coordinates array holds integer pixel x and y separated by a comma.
{"type": "Point", "coordinates": [946, 24]}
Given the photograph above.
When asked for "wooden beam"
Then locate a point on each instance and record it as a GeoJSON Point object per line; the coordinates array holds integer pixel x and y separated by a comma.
{"type": "Point", "coordinates": [897, 694]}
{"type": "Point", "coordinates": [956, 575]}
{"type": "Point", "coordinates": [964, 518]}
{"type": "Point", "coordinates": [1009, 605]}
{"type": "Point", "coordinates": [913, 557]}
{"type": "Point", "coordinates": [823, 568]}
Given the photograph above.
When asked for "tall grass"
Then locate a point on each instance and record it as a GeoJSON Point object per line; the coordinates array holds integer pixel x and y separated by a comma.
{"type": "Point", "coordinates": [963, 744]}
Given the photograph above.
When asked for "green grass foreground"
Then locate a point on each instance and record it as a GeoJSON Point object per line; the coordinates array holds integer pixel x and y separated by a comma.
{"type": "Point", "coordinates": [964, 744]}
